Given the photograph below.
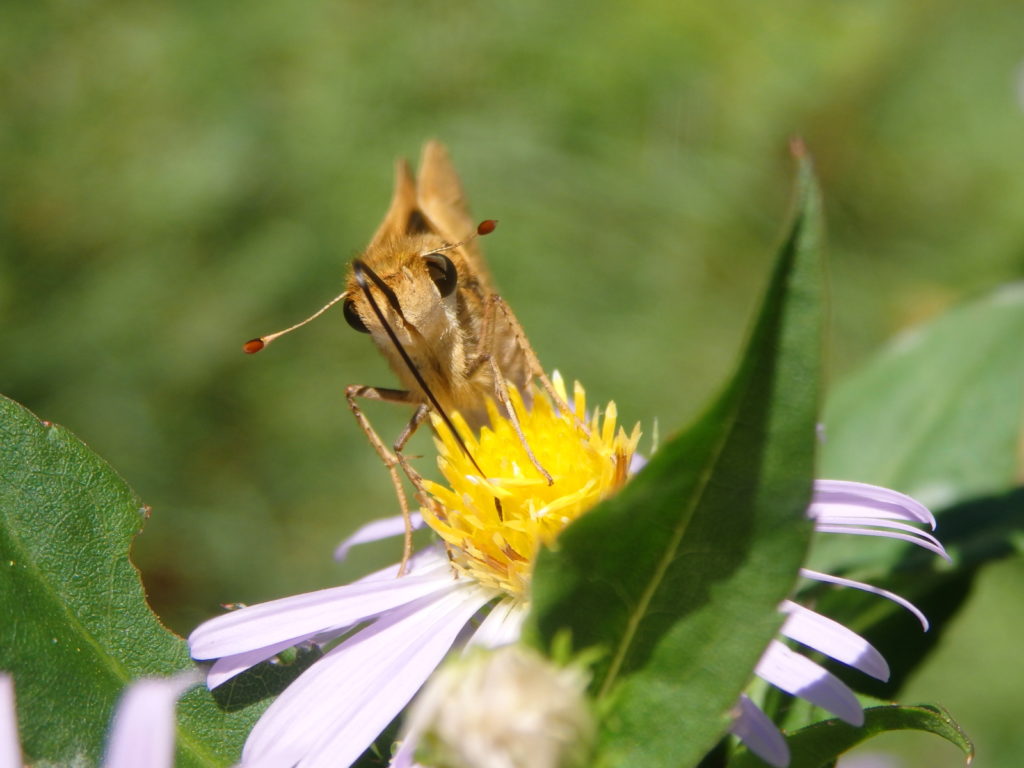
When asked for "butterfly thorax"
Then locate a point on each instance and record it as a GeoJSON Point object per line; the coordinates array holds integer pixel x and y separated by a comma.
{"type": "Point", "coordinates": [434, 296]}
{"type": "Point", "coordinates": [441, 335]}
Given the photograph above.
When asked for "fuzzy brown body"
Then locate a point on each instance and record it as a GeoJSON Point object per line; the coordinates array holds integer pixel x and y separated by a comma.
{"type": "Point", "coordinates": [455, 342]}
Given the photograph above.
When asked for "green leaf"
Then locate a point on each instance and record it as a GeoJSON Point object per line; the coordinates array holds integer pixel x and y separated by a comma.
{"type": "Point", "coordinates": [938, 414]}
{"type": "Point", "coordinates": [77, 627]}
{"type": "Point", "coordinates": [818, 745]}
{"type": "Point", "coordinates": [679, 576]}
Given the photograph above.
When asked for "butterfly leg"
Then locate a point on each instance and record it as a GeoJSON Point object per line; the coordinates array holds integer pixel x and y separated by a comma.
{"type": "Point", "coordinates": [392, 458]}
{"type": "Point", "coordinates": [501, 386]}
{"type": "Point", "coordinates": [421, 415]}
{"type": "Point", "coordinates": [497, 305]}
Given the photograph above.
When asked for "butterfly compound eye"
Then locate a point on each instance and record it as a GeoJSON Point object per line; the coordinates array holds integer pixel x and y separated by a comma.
{"type": "Point", "coordinates": [442, 272]}
{"type": "Point", "coordinates": [352, 317]}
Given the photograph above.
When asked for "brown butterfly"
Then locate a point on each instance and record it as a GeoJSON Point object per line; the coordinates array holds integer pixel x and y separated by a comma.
{"type": "Point", "coordinates": [422, 291]}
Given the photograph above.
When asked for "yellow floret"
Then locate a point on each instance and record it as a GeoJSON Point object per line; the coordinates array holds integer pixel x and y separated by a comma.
{"type": "Point", "coordinates": [493, 524]}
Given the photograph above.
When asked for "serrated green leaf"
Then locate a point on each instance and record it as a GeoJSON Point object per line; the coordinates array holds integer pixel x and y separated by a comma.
{"type": "Point", "coordinates": [939, 413]}
{"type": "Point", "coordinates": [818, 745]}
{"type": "Point", "coordinates": [679, 576]}
{"type": "Point", "coordinates": [77, 627]}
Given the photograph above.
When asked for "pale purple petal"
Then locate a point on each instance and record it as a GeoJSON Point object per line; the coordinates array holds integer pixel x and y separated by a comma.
{"type": "Point", "coordinates": [335, 709]}
{"type": "Point", "coordinates": [840, 496]}
{"type": "Point", "coordinates": [405, 755]}
{"type": "Point", "coordinates": [299, 617]}
{"type": "Point", "coordinates": [833, 639]}
{"type": "Point", "coordinates": [921, 539]}
{"type": "Point", "coordinates": [636, 463]}
{"type": "Point", "coordinates": [375, 530]}
{"type": "Point", "coordinates": [427, 559]}
{"type": "Point", "coordinates": [757, 731]}
{"type": "Point", "coordinates": [832, 523]}
{"type": "Point", "coordinates": [257, 764]}
{"type": "Point", "coordinates": [901, 601]}
{"type": "Point", "coordinates": [799, 676]}
{"type": "Point", "coordinates": [10, 749]}
{"type": "Point", "coordinates": [870, 760]}
{"type": "Point", "coordinates": [227, 667]}
{"type": "Point", "coordinates": [143, 729]}
{"type": "Point", "coordinates": [501, 626]}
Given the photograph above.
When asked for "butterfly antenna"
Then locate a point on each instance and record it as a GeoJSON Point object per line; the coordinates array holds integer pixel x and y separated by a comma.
{"type": "Point", "coordinates": [485, 227]}
{"type": "Point", "coordinates": [253, 346]}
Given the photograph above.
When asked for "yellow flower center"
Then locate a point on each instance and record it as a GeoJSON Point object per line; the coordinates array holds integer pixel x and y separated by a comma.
{"type": "Point", "coordinates": [493, 523]}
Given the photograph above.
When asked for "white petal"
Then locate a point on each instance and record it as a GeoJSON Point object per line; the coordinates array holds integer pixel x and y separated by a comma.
{"type": "Point", "coordinates": [837, 495]}
{"type": "Point", "coordinates": [799, 676]}
{"type": "Point", "coordinates": [336, 708]}
{"type": "Point", "coordinates": [375, 530]}
{"type": "Point", "coordinates": [299, 617]}
{"type": "Point", "coordinates": [502, 625]}
{"type": "Point", "coordinates": [10, 750]}
{"type": "Point", "coordinates": [755, 729]}
{"type": "Point", "coordinates": [901, 601]}
{"type": "Point", "coordinates": [833, 639]}
{"type": "Point", "coordinates": [142, 733]}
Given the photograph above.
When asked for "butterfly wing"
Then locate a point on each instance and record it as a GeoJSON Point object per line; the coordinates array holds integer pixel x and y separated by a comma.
{"type": "Point", "coordinates": [443, 203]}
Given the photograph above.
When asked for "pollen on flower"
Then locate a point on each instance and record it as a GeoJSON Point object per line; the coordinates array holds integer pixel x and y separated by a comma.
{"type": "Point", "coordinates": [494, 523]}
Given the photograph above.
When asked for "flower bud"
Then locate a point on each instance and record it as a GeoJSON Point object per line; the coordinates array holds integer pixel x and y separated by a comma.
{"type": "Point", "coordinates": [508, 708]}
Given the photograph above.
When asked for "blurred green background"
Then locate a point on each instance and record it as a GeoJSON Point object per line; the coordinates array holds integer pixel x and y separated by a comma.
{"type": "Point", "coordinates": [175, 179]}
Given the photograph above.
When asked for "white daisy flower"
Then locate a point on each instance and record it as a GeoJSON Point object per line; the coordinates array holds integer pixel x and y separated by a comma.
{"type": "Point", "coordinates": [397, 630]}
